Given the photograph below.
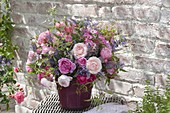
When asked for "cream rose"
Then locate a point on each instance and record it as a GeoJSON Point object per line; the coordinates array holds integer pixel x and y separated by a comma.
{"type": "Point", "coordinates": [94, 65]}
{"type": "Point", "coordinates": [79, 50]}
{"type": "Point", "coordinates": [64, 80]}
{"type": "Point", "coordinates": [46, 83]}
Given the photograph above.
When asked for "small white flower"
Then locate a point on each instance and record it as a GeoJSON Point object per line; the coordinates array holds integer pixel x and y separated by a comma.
{"type": "Point", "coordinates": [64, 80]}
{"type": "Point", "coordinates": [79, 50]}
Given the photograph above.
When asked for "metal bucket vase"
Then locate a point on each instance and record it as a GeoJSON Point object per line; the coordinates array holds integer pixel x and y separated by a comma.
{"type": "Point", "coordinates": [74, 97]}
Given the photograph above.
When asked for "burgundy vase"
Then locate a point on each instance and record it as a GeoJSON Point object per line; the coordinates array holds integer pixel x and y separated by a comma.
{"type": "Point", "coordinates": [74, 97]}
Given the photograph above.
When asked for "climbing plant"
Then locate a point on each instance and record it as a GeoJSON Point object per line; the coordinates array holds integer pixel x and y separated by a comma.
{"type": "Point", "coordinates": [154, 102]}
{"type": "Point", "coordinates": [6, 53]}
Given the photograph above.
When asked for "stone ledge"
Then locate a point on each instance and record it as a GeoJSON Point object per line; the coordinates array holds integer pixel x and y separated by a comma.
{"type": "Point", "coordinates": [22, 109]}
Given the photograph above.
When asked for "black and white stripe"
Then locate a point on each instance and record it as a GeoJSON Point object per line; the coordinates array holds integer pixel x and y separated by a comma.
{"type": "Point", "coordinates": [51, 104]}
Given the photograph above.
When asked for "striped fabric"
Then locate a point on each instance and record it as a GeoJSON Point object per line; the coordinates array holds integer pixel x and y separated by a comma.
{"type": "Point", "coordinates": [51, 104]}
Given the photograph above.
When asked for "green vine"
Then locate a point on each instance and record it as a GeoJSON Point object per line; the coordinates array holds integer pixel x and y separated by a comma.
{"type": "Point", "coordinates": [6, 28]}
{"type": "Point", "coordinates": [6, 53]}
{"type": "Point", "coordinates": [153, 101]}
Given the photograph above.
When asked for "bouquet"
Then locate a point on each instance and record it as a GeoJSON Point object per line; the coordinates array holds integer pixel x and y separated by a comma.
{"type": "Point", "coordinates": [75, 50]}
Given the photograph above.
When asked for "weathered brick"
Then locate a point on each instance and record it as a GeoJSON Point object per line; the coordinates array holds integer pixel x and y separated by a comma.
{"type": "Point", "coordinates": [166, 3]}
{"type": "Point", "coordinates": [100, 1]}
{"type": "Point", "coordinates": [125, 58]}
{"type": "Point", "coordinates": [148, 30]}
{"type": "Point", "coordinates": [20, 78]}
{"type": "Point", "coordinates": [165, 18]}
{"type": "Point", "coordinates": [38, 20]}
{"type": "Point", "coordinates": [125, 1]}
{"type": "Point", "coordinates": [163, 50]}
{"type": "Point", "coordinates": [21, 31]}
{"type": "Point", "coordinates": [18, 41]}
{"type": "Point", "coordinates": [132, 105]}
{"type": "Point", "coordinates": [164, 33]}
{"type": "Point", "coordinates": [17, 18]}
{"type": "Point", "coordinates": [136, 76]}
{"type": "Point", "coordinates": [160, 80]}
{"type": "Point", "coordinates": [147, 13]}
{"type": "Point", "coordinates": [43, 7]}
{"type": "Point", "coordinates": [62, 9]}
{"type": "Point", "coordinates": [122, 12]}
{"type": "Point", "coordinates": [23, 6]}
{"type": "Point", "coordinates": [138, 90]}
{"type": "Point", "coordinates": [111, 1]}
{"type": "Point", "coordinates": [23, 54]}
{"type": "Point", "coordinates": [150, 2]}
{"type": "Point", "coordinates": [35, 31]}
{"type": "Point", "coordinates": [124, 27]}
{"type": "Point", "coordinates": [104, 12]}
{"type": "Point", "coordinates": [142, 45]}
{"type": "Point", "coordinates": [30, 103]}
{"type": "Point", "coordinates": [167, 67]}
{"type": "Point", "coordinates": [149, 64]}
{"type": "Point", "coordinates": [115, 86]}
{"type": "Point", "coordinates": [83, 10]}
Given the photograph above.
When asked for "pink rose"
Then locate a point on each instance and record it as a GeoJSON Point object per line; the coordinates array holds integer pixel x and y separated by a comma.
{"type": "Point", "coordinates": [61, 24]}
{"type": "Point", "coordinates": [46, 49]}
{"type": "Point", "coordinates": [38, 51]}
{"type": "Point", "coordinates": [68, 38]}
{"type": "Point", "coordinates": [94, 65]}
{"type": "Point", "coordinates": [19, 97]}
{"type": "Point", "coordinates": [79, 50]}
{"type": "Point", "coordinates": [47, 68]}
{"type": "Point", "coordinates": [44, 37]}
{"type": "Point", "coordinates": [82, 79]}
{"type": "Point", "coordinates": [66, 66]}
{"type": "Point", "coordinates": [16, 69]}
{"type": "Point", "coordinates": [59, 34]}
{"type": "Point", "coordinates": [50, 76]}
{"type": "Point", "coordinates": [57, 25]}
{"type": "Point", "coordinates": [82, 61]}
{"type": "Point", "coordinates": [88, 41]}
{"type": "Point", "coordinates": [29, 69]}
{"type": "Point", "coordinates": [41, 75]}
{"type": "Point", "coordinates": [68, 29]}
{"type": "Point", "coordinates": [92, 78]}
{"type": "Point", "coordinates": [106, 53]}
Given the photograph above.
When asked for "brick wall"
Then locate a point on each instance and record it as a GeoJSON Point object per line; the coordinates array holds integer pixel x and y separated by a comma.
{"type": "Point", "coordinates": [146, 22]}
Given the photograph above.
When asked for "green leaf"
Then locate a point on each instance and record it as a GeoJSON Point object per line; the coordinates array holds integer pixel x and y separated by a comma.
{"type": "Point", "coordinates": [122, 70]}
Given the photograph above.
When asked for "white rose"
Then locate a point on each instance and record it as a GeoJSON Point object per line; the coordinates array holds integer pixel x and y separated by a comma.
{"type": "Point", "coordinates": [79, 50]}
{"type": "Point", "coordinates": [64, 80]}
{"type": "Point", "coordinates": [46, 83]}
{"type": "Point", "coordinates": [94, 65]}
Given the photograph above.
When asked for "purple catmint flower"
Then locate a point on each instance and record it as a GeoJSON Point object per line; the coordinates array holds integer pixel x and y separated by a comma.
{"type": "Point", "coordinates": [56, 72]}
{"type": "Point", "coordinates": [93, 31]}
{"type": "Point", "coordinates": [87, 35]}
{"type": "Point", "coordinates": [52, 62]}
{"type": "Point", "coordinates": [110, 64]}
